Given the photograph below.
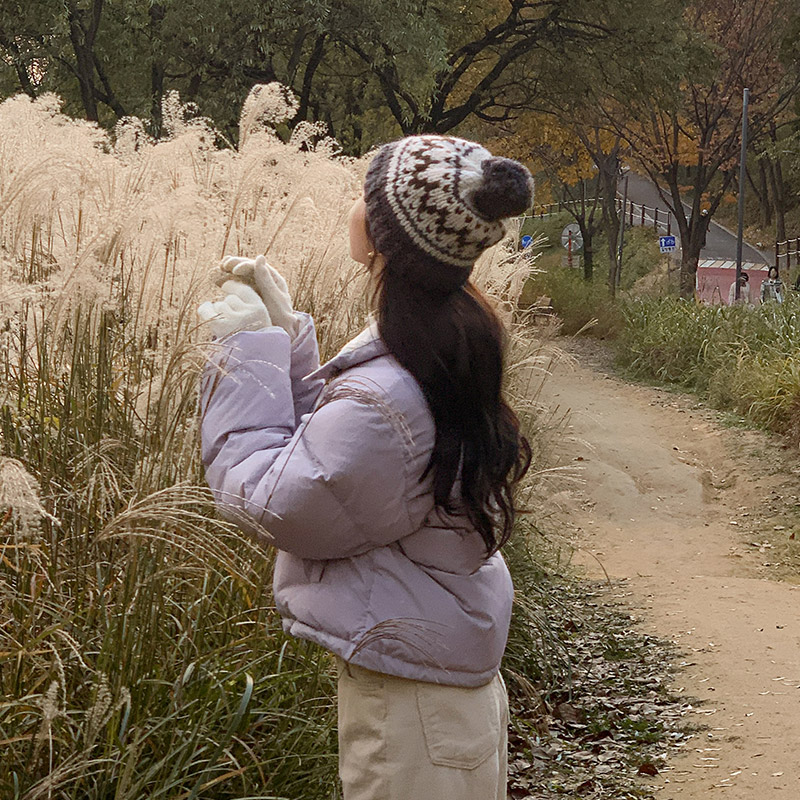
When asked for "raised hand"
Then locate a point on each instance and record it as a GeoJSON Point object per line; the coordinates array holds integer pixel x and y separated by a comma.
{"type": "Point", "coordinates": [241, 310]}
{"type": "Point", "coordinates": [270, 285]}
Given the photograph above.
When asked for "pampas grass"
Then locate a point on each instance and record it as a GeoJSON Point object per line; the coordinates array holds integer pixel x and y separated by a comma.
{"type": "Point", "coordinates": [140, 655]}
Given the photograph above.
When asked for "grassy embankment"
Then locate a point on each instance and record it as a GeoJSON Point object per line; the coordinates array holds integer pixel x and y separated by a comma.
{"type": "Point", "coordinates": [746, 360]}
{"type": "Point", "coordinates": [583, 305]}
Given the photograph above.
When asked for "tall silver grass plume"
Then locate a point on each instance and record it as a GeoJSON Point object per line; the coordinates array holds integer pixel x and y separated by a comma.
{"type": "Point", "coordinates": [107, 242]}
{"type": "Point", "coordinates": [267, 104]}
{"type": "Point", "coordinates": [178, 117]}
{"type": "Point", "coordinates": [313, 137]}
{"type": "Point", "coordinates": [103, 708]}
{"type": "Point", "coordinates": [19, 495]}
{"type": "Point", "coordinates": [131, 136]}
{"type": "Point", "coordinates": [50, 710]}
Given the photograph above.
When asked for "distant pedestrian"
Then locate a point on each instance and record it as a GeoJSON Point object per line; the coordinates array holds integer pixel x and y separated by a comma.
{"type": "Point", "coordinates": [705, 222]}
{"type": "Point", "coordinates": [772, 287]}
{"type": "Point", "coordinates": [744, 291]}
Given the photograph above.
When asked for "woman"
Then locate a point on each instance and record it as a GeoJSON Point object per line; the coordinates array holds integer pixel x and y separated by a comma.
{"type": "Point", "coordinates": [772, 287]}
{"type": "Point", "coordinates": [384, 478]}
{"type": "Point", "coordinates": [744, 291]}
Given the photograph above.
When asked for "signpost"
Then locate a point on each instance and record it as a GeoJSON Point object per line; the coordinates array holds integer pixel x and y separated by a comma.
{"type": "Point", "coordinates": [526, 241]}
{"type": "Point", "coordinates": [667, 244]}
{"type": "Point", "coordinates": [571, 240]}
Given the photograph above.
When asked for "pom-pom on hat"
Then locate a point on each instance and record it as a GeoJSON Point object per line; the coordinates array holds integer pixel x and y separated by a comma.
{"type": "Point", "coordinates": [444, 198]}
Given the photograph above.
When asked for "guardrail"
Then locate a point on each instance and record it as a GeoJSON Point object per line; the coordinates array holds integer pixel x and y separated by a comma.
{"type": "Point", "coordinates": [785, 250]}
{"type": "Point", "coordinates": [548, 209]}
{"type": "Point", "coordinates": [646, 216]}
{"type": "Point", "coordinates": [635, 213]}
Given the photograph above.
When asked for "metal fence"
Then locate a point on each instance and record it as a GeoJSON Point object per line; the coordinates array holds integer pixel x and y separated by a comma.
{"type": "Point", "coordinates": [635, 213]}
{"type": "Point", "coordinates": [548, 209]}
{"type": "Point", "coordinates": [646, 216]}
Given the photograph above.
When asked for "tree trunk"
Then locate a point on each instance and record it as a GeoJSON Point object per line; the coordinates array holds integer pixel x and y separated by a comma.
{"type": "Point", "coordinates": [156, 96]}
{"type": "Point", "coordinates": [157, 68]}
{"type": "Point", "coordinates": [780, 204]}
{"type": "Point", "coordinates": [691, 245]}
{"type": "Point", "coordinates": [778, 188]}
{"type": "Point", "coordinates": [691, 228]}
{"type": "Point", "coordinates": [766, 203]}
{"type": "Point", "coordinates": [775, 174]}
{"type": "Point", "coordinates": [612, 233]}
{"type": "Point", "coordinates": [20, 66]}
{"type": "Point", "coordinates": [195, 82]}
{"type": "Point", "coordinates": [108, 97]}
{"type": "Point", "coordinates": [583, 214]}
{"type": "Point", "coordinates": [690, 248]}
{"type": "Point", "coordinates": [607, 177]}
{"type": "Point", "coordinates": [588, 253]}
{"type": "Point", "coordinates": [587, 230]}
{"type": "Point", "coordinates": [688, 277]}
{"type": "Point", "coordinates": [82, 38]}
{"type": "Point", "coordinates": [308, 77]}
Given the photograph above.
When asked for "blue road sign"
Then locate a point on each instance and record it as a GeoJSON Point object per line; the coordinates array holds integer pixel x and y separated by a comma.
{"type": "Point", "coordinates": [526, 241]}
{"type": "Point", "coordinates": [666, 244]}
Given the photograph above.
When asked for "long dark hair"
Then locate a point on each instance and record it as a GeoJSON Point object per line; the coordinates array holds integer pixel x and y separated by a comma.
{"type": "Point", "coordinates": [444, 332]}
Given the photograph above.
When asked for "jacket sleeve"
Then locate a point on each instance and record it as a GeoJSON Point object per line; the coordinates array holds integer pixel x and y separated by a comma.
{"type": "Point", "coordinates": [305, 360]}
{"type": "Point", "coordinates": [333, 488]}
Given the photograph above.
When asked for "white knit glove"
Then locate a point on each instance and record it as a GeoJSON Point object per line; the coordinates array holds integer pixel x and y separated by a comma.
{"type": "Point", "coordinates": [241, 310]}
{"type": "Point", "coordinates": [270, 284]}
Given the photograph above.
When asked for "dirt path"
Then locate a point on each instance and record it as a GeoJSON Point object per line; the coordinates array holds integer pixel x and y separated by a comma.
{"type": "Point", "coordinates": [665, 501]}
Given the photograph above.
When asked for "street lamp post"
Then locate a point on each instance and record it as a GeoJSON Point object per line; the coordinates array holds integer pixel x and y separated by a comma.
{"type": "Point", "coordinates": [742, 178]}
{"type": "Point", "coordinates": [618, 275]}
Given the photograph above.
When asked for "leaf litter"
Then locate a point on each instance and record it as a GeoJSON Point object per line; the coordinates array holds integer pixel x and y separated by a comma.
{"type": "Point", "coordinates": [610, 729]}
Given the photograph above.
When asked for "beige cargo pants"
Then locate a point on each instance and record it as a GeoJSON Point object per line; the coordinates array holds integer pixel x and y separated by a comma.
{"type": "Point", "coordinates": [406, 740]}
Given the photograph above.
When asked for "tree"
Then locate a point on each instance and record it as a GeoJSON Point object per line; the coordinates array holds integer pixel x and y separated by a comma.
{"type": "Point", "coordinates": [559, 154]}
{"type": "Point", "coordinates": [480, 74]}
{"type": "Point", "coordinates": [603, 148]}
{"type": "Point", "coordinates": [109, 58]}
{"type": "Point", "coordinates": [403, 66]}
{"type": "Point", "coordinates": [776, 159]}
{"type": "Point", "coordinates": [71, 47]}
{"type": "Point", "coordinates": [693, 130]}
{"type": "Point", "coordinates": [638, 59]}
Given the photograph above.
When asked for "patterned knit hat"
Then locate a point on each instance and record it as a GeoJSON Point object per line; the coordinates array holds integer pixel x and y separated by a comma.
{"type": "Point", "coordinates": [443, 199]}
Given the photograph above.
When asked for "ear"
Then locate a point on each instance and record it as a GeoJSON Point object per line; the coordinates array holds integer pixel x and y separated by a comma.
{"type": "Point", "coordinates": [361, 246]}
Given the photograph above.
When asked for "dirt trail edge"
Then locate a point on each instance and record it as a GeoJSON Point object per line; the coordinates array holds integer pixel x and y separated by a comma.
{"type": "Point", "coordinates": [661, 488]}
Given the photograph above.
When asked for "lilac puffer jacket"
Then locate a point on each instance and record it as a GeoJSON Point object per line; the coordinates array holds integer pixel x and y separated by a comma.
{"type": "Point", "coordinates": [331, 475]}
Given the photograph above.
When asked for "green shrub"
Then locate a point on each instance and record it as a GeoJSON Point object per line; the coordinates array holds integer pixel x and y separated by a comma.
{"type": "Point", "coordinates": [586, 305]}
{"type": "Point", "coordinates": [741, 358]}
{"type": "Point", "coordinates": [581, 305]}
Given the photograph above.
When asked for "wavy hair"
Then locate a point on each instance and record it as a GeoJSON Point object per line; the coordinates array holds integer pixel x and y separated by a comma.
{"type": "Point", "coordinates": [441, 328]}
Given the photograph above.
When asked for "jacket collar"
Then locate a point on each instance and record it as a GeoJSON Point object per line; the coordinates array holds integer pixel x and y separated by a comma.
{"type": "Point", "coordinates": [365, 347]}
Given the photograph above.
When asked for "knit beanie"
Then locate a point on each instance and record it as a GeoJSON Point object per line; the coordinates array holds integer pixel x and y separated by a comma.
{"type": "Point", "coordinates": [442, 200]}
